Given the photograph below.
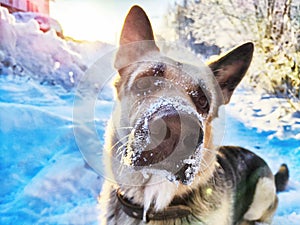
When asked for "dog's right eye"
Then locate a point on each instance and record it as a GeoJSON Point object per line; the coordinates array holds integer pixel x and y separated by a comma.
{"type": "Point", "coordinates": [146, 85]}
{"type": "Point", "coordinates": [142, 84]}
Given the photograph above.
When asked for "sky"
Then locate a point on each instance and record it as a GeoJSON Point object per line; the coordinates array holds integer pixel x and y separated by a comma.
{"type": "Point", "coordinates": [101, 19]}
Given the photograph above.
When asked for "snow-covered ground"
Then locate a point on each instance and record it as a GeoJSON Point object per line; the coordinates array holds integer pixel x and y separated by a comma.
{"type": "Point", "coordinates": [254, 120]}
{"type": "Point", "coordinates": [44, 179]}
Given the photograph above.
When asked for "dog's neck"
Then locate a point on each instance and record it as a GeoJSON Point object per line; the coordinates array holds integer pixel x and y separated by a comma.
{"type": "Point", "coordinates": [158, 201]}
{"type": "Point", "coordinates": [177, 209]}
{"type": "Point", "coordinates": [159, 192]}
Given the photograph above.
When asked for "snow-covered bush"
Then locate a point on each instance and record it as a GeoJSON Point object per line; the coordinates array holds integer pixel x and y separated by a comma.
{"type": "Point", "coordinates": [272, 25]}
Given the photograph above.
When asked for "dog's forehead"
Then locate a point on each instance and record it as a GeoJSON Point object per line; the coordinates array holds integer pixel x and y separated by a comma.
{"type": "Point", "coordinates": [172, 70]}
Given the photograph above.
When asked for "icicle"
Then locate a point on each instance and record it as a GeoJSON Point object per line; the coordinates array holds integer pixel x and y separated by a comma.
{"type": "Point", "coordinates": [147, 203]}
{"type": "Point", "coordinates": [145, 215]}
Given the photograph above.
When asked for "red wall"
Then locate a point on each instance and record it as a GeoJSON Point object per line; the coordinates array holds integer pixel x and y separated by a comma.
{"type": "Point", "coordinates": [41, 6]}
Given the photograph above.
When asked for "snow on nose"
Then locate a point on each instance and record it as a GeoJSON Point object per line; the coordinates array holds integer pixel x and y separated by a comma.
{"type": "Point", "coordinates": [173, 137]}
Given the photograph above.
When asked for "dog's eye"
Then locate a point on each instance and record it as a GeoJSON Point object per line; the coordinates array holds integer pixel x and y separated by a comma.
{"type": "Point", "coordinates": [203, 102]}
{"type": "Point", "coordinates": [142, 84]}
{"type": "Point", "coordinates": [147, 84]}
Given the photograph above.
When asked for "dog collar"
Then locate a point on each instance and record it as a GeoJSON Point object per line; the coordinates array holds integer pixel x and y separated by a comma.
{"type": "Point", "coordinates": [137, 211]}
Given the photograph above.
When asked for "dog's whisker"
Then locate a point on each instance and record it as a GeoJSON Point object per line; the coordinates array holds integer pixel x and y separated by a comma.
{"type": "Point", "coordinates": [119, 141]}
{"type": "Point", "coordinates": [124, 128]}
{"type": "Point", "coordinates": [209, 150]}
{"type": "Point", "coordinates": [121, 146]}
{"type": "Point", "coordinates": [204, 166]}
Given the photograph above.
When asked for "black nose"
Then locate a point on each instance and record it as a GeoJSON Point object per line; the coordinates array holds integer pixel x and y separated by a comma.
{"type": "Point", "coordinates": [173, 135]}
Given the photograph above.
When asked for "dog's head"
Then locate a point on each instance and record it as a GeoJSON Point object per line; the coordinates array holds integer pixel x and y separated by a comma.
{"type": "Point", "coordinates": [164, 108]}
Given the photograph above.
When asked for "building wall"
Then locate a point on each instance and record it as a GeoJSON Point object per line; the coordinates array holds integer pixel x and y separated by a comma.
{"type": "Point", "coordinates": [41, 6]}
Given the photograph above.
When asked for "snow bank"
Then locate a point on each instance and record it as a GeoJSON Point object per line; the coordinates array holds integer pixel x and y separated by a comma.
{"type": "Point", "coordinates": [25, 50]}
{"type": "Point", "coordinates": [44, 177]}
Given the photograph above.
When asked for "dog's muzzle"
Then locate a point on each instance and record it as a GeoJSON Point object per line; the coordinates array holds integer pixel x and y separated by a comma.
{"type": "Point", "coordinates": [168, 140]}
{"type": "Point", "coordinates": [172, 133]}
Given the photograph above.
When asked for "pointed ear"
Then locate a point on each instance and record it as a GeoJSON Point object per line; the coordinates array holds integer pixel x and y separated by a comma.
{"type": "Point", "coordinates": [136, 27]}
{"type": "Point", "coordinates": [231, 68]}
{"type": "Point", "coordinates": [136, 39]}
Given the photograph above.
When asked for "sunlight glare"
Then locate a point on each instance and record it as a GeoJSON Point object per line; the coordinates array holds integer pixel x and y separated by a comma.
{"type": "Point", "coordinates": [85, 21]}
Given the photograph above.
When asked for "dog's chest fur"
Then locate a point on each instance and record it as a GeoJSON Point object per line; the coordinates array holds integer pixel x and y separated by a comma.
{"type": "Point", "coordinates": [221, 200]}
{"type": "Point", "coordinates": [210, 207]}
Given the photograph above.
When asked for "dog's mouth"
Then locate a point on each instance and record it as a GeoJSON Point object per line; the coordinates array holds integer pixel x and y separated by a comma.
{"type": "Point", "coordinates": [168, 139]}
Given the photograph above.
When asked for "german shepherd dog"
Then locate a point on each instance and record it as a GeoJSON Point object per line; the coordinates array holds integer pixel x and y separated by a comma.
{"type": "Point", "coordinates": [162, 164]}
